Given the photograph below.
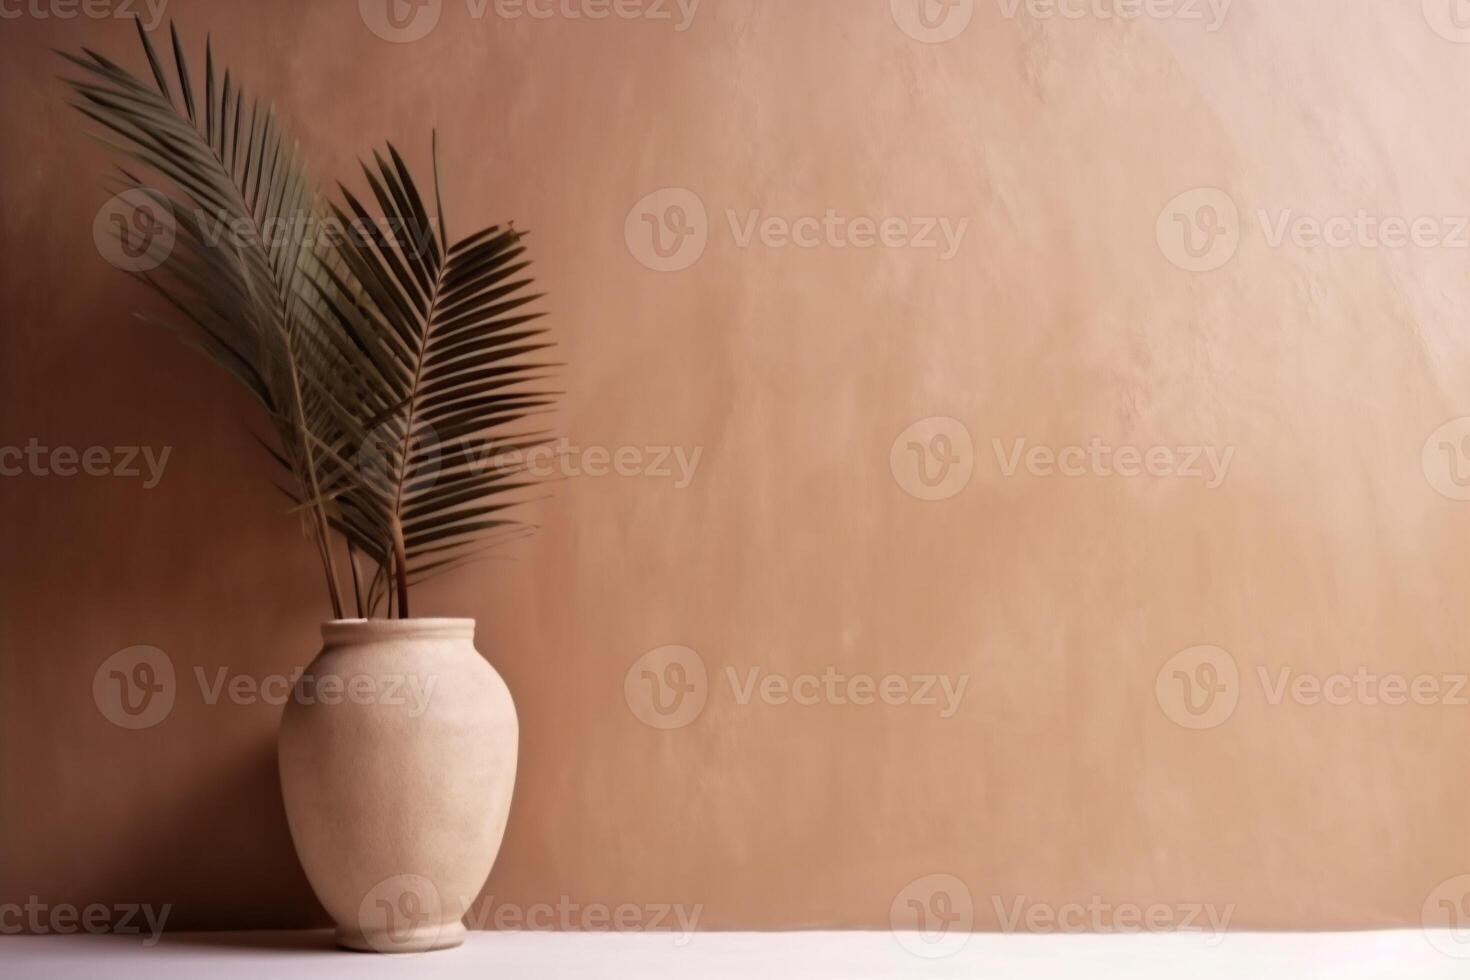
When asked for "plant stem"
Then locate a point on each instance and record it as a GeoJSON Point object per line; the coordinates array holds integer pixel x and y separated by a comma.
{"type": "Point", "coordinates": [356, 577]}
{"type": "Point", "coordinates": [400, 561]}
{"type": "Point", "coordinates": [319, 512]}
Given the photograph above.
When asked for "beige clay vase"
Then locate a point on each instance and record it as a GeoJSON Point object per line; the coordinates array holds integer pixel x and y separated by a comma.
{"type": "Point", "coordinates": [398, 757]}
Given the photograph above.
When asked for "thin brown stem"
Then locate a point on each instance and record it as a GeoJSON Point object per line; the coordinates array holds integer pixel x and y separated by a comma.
{"type": "Point", "coordinates": [400, 560]}
{"type": "Point", "coordinates": [356, 577]}
{"type": "Point", "coordinates": [319, 511]}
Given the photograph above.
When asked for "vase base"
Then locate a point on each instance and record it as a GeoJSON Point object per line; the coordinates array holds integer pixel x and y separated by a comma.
{"type": "Point", "coordinates": [419, 939]}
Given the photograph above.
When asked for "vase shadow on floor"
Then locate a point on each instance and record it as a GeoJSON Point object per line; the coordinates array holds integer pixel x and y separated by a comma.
{"type": "Point", "coordinates": [265, 941]}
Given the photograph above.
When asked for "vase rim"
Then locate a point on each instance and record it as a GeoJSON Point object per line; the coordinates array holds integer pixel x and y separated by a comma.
{"type": "Point", "coordinates": [416, 627]}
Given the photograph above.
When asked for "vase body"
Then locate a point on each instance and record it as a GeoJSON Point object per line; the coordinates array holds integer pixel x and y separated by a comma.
{"type": "Point", "coordinates": [398, 756]}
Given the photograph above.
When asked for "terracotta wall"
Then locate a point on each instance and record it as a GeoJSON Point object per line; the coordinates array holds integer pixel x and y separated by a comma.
{"type": "Point", "coordinates": [1298, 516]}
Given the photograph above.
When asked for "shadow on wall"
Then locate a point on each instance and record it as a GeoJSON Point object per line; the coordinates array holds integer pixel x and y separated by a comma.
{"type": "Point", "coordinates": [229, 825]}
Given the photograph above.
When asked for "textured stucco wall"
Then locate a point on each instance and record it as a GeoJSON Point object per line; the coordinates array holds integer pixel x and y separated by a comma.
{"type": "Point", "coordinates": [1069, 309]}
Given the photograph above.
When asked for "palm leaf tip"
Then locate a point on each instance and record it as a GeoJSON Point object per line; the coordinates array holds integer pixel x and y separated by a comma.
{"type": "Point", "coordinates": [238, 295]}
{"type": "Point", "coordinates": [379, 338]}
{"type": "Point", "coordinates": [450, 318]}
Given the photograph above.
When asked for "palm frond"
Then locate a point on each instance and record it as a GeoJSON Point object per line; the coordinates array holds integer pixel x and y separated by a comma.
{"type": "Point", "coordinates": [450, 352]}
{"type": "Point", "coordinates": [244, 211]}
